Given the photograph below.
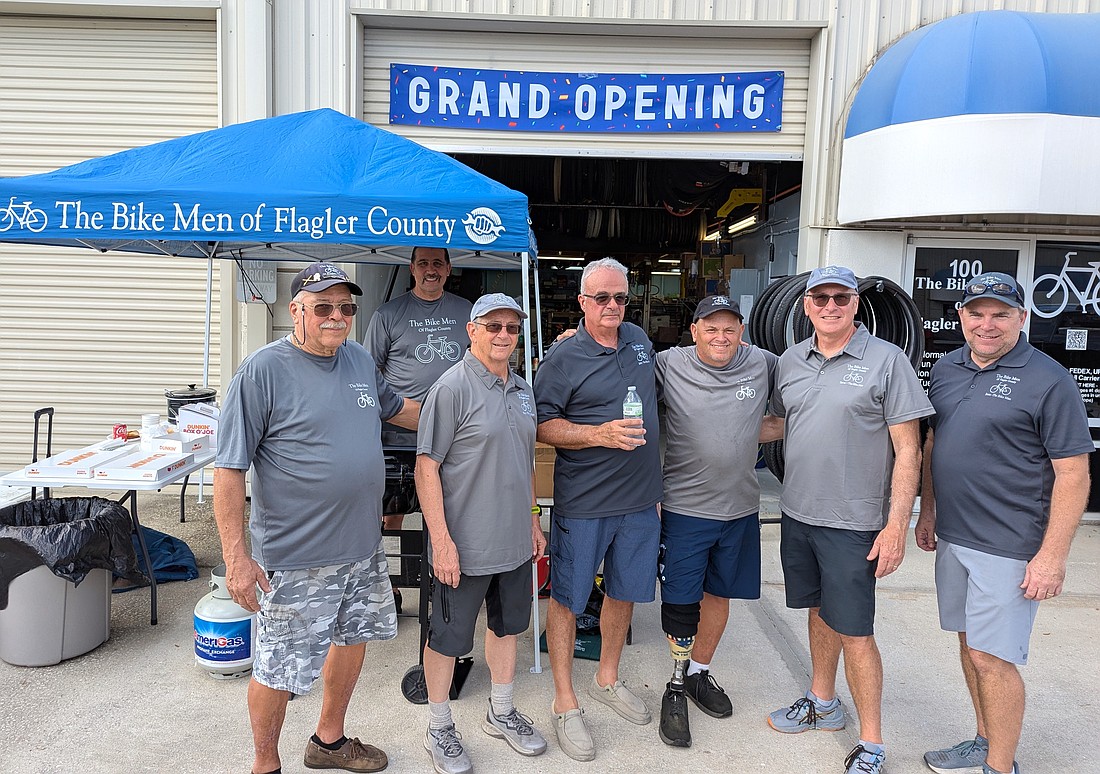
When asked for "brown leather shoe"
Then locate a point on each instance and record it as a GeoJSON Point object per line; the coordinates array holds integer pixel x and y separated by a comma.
{"type": "Point", "coordinates": [353, 755]}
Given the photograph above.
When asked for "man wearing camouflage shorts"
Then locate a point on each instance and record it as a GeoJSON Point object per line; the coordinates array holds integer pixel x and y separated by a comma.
{"type": "Point", "coordinates": [305, 413]}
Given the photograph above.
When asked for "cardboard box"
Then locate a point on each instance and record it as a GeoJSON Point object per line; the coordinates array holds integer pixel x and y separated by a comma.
{"type": "Point", "coordinates": [75, 463]}
{"type": "Point", "coordinates": [144, 466]}
{"type": "Point", "coordinates": [199, 419]}
{"type": "Point", "coordinates": [544, 470]}
{"type": "Point", "coordinates": [178, 443]}
{"type": "Point", "coordinates": [731, 262]}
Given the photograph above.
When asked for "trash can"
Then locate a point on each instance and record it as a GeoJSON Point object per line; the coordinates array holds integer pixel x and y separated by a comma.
{"type": "Point", "coordinates": [57, 558]}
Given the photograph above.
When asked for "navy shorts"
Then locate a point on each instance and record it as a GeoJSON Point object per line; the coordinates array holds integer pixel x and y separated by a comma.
{"type": "Point", "coordinates": [827, 568]}
{"type": "Point", "coordinates": [627, 547]}
{"type": "Point", "coordinates": [721, 558]}
{"type": "Point", "coordinates": [507, 597]}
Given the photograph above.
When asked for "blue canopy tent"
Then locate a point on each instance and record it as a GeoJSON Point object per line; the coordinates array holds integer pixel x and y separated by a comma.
{"type": "Point", "coordinates": [309, 186]}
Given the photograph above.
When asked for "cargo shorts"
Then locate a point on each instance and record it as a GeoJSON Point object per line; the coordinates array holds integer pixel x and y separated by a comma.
{"type": "Point", "coordinates": [309, 609]}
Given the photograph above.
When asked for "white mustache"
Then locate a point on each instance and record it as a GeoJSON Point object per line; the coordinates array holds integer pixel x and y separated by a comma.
{"type": "Point", "coordinates": [333, 326]}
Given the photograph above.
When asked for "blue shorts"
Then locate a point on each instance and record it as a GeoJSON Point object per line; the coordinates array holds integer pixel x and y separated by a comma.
{"type": "Point", "coordinates": [721, 558]}
{"type": "Point", "coordinates": [980, 594]}
{"type": "Point", "coordinates": [627, 546]}
{"type": "Point", "coordinates": [827, 568]}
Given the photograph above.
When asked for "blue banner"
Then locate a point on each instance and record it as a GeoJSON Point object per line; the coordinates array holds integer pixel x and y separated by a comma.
{"type": "Point", "coordinates": [514, 100]}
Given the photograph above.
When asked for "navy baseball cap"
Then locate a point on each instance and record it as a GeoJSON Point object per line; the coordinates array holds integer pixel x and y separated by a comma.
{"type": "Point", "coordinates": [832, 275]}
{"type": "Point", "coordinates": [996, 285]}
{"type": "Point", "coordinates": [321, 276]}
{"type": "Point", "coordinates": [712, 304]}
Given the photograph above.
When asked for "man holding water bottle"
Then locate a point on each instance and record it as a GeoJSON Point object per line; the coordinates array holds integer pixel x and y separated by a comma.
{"type": "Point", "coordinates": [607, 483]}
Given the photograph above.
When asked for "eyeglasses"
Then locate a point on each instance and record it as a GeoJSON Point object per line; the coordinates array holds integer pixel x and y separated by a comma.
{"type": "Point", "coordinates": [996, 288]}
{"type": "Point", "coordinates": [603, 299]}
{"type": "Point", "coordinates": [324, 310]}
{"type": "Point", "coordinates": [495, 327]}
{"type": "Point", "coordinates": [823, 299]}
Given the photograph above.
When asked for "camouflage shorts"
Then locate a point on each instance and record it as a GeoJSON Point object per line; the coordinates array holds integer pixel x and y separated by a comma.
{"type": "Point", "coordinates": [342, 604]}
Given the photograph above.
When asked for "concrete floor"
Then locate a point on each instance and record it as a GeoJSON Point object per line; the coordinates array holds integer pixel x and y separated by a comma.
{"type": "Point", "coordinates": [138, 703]}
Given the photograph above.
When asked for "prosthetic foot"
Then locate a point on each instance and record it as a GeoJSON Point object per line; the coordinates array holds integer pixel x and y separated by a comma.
{"type": "Point", "coordinates": [674, 729]}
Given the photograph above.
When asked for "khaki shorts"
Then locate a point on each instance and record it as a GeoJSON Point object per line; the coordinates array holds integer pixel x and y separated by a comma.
{"type": "Point", "coordinates": [307, 610]}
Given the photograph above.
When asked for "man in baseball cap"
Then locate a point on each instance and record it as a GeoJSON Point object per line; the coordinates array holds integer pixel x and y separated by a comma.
{"type": "Point", "coordinates": [715, 394]}
{"type": "Point", "coordinates": [1003, 406]}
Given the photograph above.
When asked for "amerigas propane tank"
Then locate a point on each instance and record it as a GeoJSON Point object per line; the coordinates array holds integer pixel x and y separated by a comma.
{"type": "Point", "coordinates": [225, 633]}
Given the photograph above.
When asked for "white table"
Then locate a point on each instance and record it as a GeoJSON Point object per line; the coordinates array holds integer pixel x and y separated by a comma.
{"type": "Point", "coordinates": [132, 487]}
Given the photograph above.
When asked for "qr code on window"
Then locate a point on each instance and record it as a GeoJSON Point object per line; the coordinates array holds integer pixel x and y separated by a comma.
{"type": "Point", "coordinates": [1077, 339]}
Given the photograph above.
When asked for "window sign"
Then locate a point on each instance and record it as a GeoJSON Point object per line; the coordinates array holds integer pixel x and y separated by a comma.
{"type": "Point", "coordinates": [939, 276]}
{"type": "Point", "coordinates": [1064, 304]}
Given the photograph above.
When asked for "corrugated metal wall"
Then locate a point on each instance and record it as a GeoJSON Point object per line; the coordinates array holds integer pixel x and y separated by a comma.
{"type": "Point", "coordinates": [507, 50]}
{"type": "Point", "coordinates": [99, 337]}
{"type": "Point", "coordinates": [628, 10]}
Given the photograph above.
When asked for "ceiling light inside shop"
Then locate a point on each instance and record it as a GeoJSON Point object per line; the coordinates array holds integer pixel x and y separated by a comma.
{"type": "Point", "coordinates": [743, 224]}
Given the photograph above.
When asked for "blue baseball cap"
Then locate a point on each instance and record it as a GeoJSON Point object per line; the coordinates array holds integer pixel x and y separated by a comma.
{"type": "Point", "coordinates": [832, 275]}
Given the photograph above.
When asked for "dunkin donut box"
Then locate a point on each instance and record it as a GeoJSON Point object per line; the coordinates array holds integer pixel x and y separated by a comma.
{"type": "Point", "coordinates": [75, 463]}
{"type": "Point", "coordinates": [144, 466]}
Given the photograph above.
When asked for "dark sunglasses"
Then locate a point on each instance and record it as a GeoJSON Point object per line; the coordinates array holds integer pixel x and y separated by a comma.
{"type": "Point", "coordinates": [822, 299]}
{"type": "Point", "coordinates": [495, 327]}
{"type": "Point", "coordinates": [996, 288]}
{"type": "Point", "coordinates": [603, 299]}
{"type": "Point", "coordinates": [324, 310]}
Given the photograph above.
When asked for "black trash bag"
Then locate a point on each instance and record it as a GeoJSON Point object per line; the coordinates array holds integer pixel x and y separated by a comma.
{"type": "Point", "coordinates": [70, 535]}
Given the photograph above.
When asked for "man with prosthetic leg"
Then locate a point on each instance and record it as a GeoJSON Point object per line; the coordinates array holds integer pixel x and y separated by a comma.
{"type": "Point", "coordinates": [715, 394]}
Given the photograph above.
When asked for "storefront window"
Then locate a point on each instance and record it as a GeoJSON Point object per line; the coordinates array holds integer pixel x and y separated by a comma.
{"type": "Point", "coordinates": [1065, 312]}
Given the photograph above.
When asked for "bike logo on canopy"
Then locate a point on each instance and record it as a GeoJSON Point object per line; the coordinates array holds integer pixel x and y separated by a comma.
{"type": "Point", "coordinates": [22, 215]}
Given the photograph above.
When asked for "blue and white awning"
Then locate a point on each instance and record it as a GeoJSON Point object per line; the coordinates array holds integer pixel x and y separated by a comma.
{"type": "Point", "coordinates": [987, 112]}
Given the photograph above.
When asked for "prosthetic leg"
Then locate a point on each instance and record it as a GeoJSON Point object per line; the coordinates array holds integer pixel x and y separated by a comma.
{"type": "Point", "coordinates": [681, 623]}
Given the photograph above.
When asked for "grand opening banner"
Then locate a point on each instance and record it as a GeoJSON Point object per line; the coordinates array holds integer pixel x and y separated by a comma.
{"type": "Point", "coordinates": [517, 100]}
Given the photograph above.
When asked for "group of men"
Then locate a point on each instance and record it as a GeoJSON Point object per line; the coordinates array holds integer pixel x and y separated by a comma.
{"type": "Point", "coordinates": [307, 411]}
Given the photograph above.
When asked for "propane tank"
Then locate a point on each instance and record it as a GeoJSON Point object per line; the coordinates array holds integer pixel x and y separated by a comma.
{"type": "Point", "coordinates": [225, 633]}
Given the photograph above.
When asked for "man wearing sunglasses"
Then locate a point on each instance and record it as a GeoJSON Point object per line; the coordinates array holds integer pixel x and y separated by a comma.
{"type": "Point", "coordinates": [1011, 416]}
{"type": "Point", "coordinates": [415, 338]}
{"type": "Point", "coordinates": [474, 476]}
{"type": "Point", "coordinates": [715, 394]}
{"type": "Point", "coordinates": [852, 406]}
{"type": "Point", "coordinates": [607, 483]}
{"type": "Point", "coordinates": [305, 413]}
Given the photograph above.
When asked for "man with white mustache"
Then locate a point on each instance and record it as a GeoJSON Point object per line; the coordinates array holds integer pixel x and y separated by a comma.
{"type": "Point", "coordinates": [305, 413]}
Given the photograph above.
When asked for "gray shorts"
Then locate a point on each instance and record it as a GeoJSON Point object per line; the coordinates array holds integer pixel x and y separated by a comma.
{"type": "Point", "coordinates": [307, 610]}
{"type": "Point", "coordinates": [980, 594]}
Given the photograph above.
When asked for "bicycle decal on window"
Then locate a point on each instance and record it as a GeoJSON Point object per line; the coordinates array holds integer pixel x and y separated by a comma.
{"type": "Point", "coordinates": [1050, 294]}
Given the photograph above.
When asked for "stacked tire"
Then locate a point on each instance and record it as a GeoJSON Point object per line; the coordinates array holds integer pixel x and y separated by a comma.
{"type": "Point", "coordinates": [778, 321]}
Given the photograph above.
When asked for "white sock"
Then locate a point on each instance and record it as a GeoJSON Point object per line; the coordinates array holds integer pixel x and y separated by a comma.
{"type": "Point", "coordinates": [694, 666]}
{"type": "Point", "coordinates": [439, 714]}
{"type": "Point", "coordinates": [500, 697]}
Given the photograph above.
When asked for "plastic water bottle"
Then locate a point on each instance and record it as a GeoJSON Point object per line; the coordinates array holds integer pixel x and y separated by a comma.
{"type": "Point", "coordinates": [632, 405]}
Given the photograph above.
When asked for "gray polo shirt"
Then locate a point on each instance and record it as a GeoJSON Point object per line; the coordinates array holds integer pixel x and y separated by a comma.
{"type": "Point", "coordinates": [309, 426]}
{"type": "Point", "coordinates": [482, 432]}
{"type": "Point", "coordinates": [584, 382]}
{"type": "Point", "coordinates": [414, 341]}
{"type": "Point", "coordinates": [712, 423]}
{"type": "Point", "coordinates": [997, 429]}
{"type": "Point", "coordinates": [838, 456]}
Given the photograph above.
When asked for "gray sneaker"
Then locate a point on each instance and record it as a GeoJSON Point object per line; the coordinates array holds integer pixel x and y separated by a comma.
{"type": "Point", "coordinates": [448, 757]}
{"type": "Point", "coordinates": [515, 729]}
{"type": "Point", "coordinates": [966, 757]}
{"type": "Point", "coordinates": [807, 715]}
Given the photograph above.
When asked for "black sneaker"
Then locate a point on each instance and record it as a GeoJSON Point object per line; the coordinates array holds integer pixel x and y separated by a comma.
{"type": "Point", "coordinates": [707, 694]}
{"type": "Point", "coordinates": [397, 600]}
{"type": "Point", "coordinates": [674, 729]}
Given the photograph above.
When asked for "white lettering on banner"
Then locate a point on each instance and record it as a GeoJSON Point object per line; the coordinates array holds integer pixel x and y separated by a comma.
{"type": "Point", "coordinates": [379, 222]}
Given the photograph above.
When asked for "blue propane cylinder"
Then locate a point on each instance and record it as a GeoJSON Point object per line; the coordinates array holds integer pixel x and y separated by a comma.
{"type": "Point", "coordinates": [225, 633]}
